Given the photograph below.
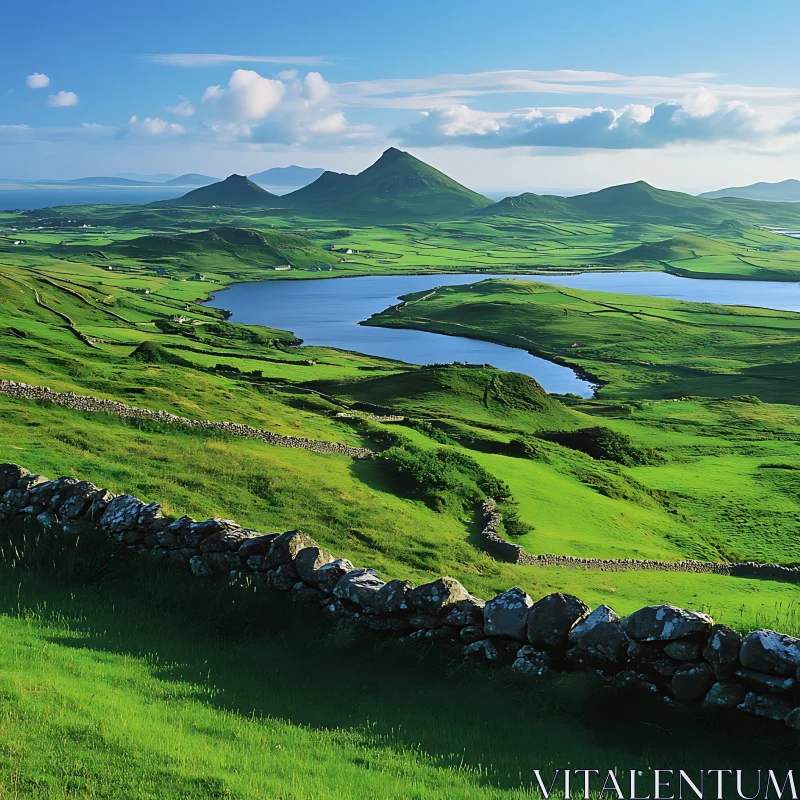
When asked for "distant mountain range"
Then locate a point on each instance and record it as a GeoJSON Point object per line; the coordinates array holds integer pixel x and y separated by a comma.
{"type": "Point", "coordinates": [400, 188]}
{"type": "Point", "coordinates": [292, 177]}
{"type": "Point", "coordinates": [785, 191]}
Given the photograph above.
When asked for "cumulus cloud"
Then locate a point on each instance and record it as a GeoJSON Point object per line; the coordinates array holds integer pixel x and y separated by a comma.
{"type": "Point", "coordinates": [701, 117]}
{"type": "Point", "coordinates": [63, 99]}
{"type": "Point", "coordinates": [286, 110]}
{"type": "Point", "coordinates": [183, 108]}
{"type": "Point", "coordinates": [38, 80]}
{"type": "Point", "coordinates": [151, 127]}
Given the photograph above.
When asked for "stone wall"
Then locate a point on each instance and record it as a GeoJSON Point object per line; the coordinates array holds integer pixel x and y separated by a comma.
{"type": "Point", "coordinates": [516, 554]}
{"type": "Point", "coordinates": [679, 654]}
{"type": "Point", "coordinates": [86, 403]}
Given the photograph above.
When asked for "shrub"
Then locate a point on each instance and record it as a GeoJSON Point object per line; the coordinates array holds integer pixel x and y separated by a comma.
{"type": "Point", "coordinates": [605, 445]}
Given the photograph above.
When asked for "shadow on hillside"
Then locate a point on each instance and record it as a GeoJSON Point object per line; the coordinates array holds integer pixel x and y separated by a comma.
{"type": "Point", "coordinates": [260, 656]}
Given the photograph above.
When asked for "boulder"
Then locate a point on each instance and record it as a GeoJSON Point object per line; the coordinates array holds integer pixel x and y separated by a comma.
{"type": "Point", "coordinates": [257, 545]}
{"type": "Point", "coordinates": [327, 577]}
{"type": "Point", "coordinates": [286, 547]}
{"type": "Point", "coordinates": [488, 652]}
{"type": "Point", "coordinates": [391, 598]}
{"type": "Point", "coordinates": [77, 500]}
{"type": "Point", "coordinates": [227, 538]}
{"type": "Point", "coordinates": [282, 578]}
{"type": "Point", "coordinates": [199, 567]}
{"type": "Point", "coordinates": [306, 595]}
{"type": "Point", "coordinates": [692, 681]}
{"type": "Point", "coordinates": [10, 475]}
{"type": "Point", "coordinates": [770, 706]}
{"type": "Point", "coordinates": [764, 682]}
{"type": "Point", "coordinates": [255, 563]}
{"type": "Point", "coordinates": [793, 719]}
{"type": "Point", "coordinates": [27, 482]}
{"type": "Point", "coordinates": [722, 651]}
{"type": "Point", "coordinates": [768, 651]}
{"type": "Point", "coordinates": [683, 651]}
{"type": "Point", "coordinates": [530, 661]}
{"type": "Point", "coordinates": [359, 587]}
{"type": "Point", "coordinates": [599, 637]}
{"type": "Point", "coordinates": [221, 562]}
{"type": "Point", "coordinates": [466, 612]}
{"type": "Point", "coordinates": [551, 619]}
{"type": "Point", "coordinates": [507, 615]}
{"type": "Point", "coordinates": [471, 633]}
{"type": "Point", "coordinates": [438, 597]}
{"type": "Point", "coordinates": [172, 535]}
{"type": "Point", "coordinates": [310, 559]}
{"type": "Point", "coordinates": [120, 519]}
{"type": "Point", "coordinates": [725, 694]}
{"type": "Point", "coordinates": [665, 623]}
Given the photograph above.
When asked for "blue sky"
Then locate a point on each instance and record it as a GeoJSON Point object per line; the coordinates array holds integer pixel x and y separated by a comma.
{"type": "Point", "coordinates": [687, 95]}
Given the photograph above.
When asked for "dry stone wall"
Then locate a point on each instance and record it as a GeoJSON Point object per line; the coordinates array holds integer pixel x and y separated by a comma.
{"type": "Point", "coordinates": [82, 402]}
{"type": "Point", "coordinates": [518, 555]}
{"type": "Point", "coordinates": [679, 654]}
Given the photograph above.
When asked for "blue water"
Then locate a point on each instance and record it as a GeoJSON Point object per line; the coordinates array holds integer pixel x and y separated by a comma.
{"type": "Point", "coordinates": [27, 199]}
{"type": "Point", "coordinates": [327, 313]}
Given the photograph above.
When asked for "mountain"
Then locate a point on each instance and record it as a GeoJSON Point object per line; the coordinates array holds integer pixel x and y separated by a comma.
{"type": "Point", "coordinates": [158, 177]}
{"type": "Point", "coordinates": [785, 191]}
{"type": "Point", "coordinates": [235, 190]}
{"type": "Point", "coordinates": [396, 188]}
{"type": "Point", "coordinates": [103, 181]}
{"type": "Point", "coordinates": [287, 176]}
{"type": "Point", "coordinates": [642, 203]}
{"type": "Point", "coordinates": [191, 179]}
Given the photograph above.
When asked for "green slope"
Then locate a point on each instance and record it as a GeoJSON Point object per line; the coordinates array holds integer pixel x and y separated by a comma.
{"type": "Point", "coordinates": [782, 192]}
{"type": "Point", "coordinates": [235, 190]}
{"type": "Point", "coordinates": [642, 203]}
{"type": "Point", "coordinates": [397, 188]}
{"type": "Point", "coordinates": [676, 248]}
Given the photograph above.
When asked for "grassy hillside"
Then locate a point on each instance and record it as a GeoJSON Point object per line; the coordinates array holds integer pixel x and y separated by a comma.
{"type": "Point", "coordinates": [235, 190]}
{"type": "Point", "coordinates": [397, 188]}
{"type": "Point", "coordinates": [782, 191]}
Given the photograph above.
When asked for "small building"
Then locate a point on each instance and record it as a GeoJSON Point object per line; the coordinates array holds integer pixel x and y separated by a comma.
{"type": "Point", "coordinates": [282, 268]}
{"type": "Point", "coordinates": [198, 277]}
{"type": "Point", "coordinates": [19, 241]}
{"type": "Point", "coordinates": [178, 318]}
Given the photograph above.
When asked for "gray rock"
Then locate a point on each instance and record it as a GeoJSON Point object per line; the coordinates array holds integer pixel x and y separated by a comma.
{"type": "Point", "coordinates": [770, 706]}
{"type": "Point", "coordinates": [485, 651]}
{"type": "Point", "coordinates": [599, 638]}
{"type": "Point", "coordinates": [764, 682]}
{"type": "Point", "coordinates": [391, 598]}
{"type": "Point", "coordinates": [78, 500]}
{"type": "Point", "coordinates": [466, 612]}
{"type": "Point", "coordinates": [425, 621]}
{"type": "Point", "coordinates": [255, 563]}
{"type": "Point", "coordinates": [438, 597]}
{"type": "Point", "coordinates": [28, 481]}
{"type": "Point", "coordinates": [632, 679]}
{"type": "Point", "coordinates": [222, 562]}
{"type": "Point", "coordinates": [683, 651]}
{"type": "Point", "coordinates": [10, 475]}
{"type": "Point", "coordinates": [257, 545]}
{"type": "Point", "coordinates": [306, 595]}
{"type": "Point", "coordinates": [172, 535]}
{"type": "Point", "coordinates": [327, 577]}
{"type": "Point", "coordinates": [472, 633]}
{"type": "Point", "coordinates": [551, 619]}
{"type": "Point", "coordinates": [768, 651]}
{"type": "Point", "coordinates": [507, 615]}
{"type": "Point", "coordinates": [359, 587]}
{"type": "Point", "coordinates": [46, 519]}
{"type": "Point", "coordinates": [692, 681]}
{"type": "Point", "coordinates": [725, 694]}
{"type": "Point", "coordinates": [121, 515]}
{"type": "Point", "coordinates": [310, 559]}
{"type": "Point", "coordinates": [793, 719]}
{"type": "Point", "coordinates": [722, 651]}
{"type": "Point", "coordinates": [228, 538]}
{"type": "Point", "coordinates": [530, 661]}
{"type": "Point", "coordinates": [665, 623]}
{"type": "Point", "coordinates": [199, 567]}
{"type": "Point", "coordinates": [282, 578]}
{"type": "Point", "coordinates": [286, 547]}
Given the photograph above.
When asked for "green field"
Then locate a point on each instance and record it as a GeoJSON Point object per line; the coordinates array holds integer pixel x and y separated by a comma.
{"type": "Point", "coordinates": [689, 450]}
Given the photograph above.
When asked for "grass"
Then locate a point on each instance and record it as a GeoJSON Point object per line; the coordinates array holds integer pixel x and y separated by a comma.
{"type": "Point", "coordinates": [134, 685]}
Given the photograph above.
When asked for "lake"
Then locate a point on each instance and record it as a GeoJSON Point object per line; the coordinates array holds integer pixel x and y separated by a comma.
{"type": "Point", "coordinates": [327, 312]}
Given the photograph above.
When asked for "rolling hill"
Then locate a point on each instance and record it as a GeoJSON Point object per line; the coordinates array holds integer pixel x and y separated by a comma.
{"type": "Point", "coordinates": [676, 248]}
{"type": "Point", "coordinates": [235, 190]}
{"type": "Point", "coordinates": [292, 176]}
{"type": "Point", "coordinates": [642, 203]}
{"type": "Point", "coordinates": [396, 188]}
{"type": "Point", "coordinates": [787, 191]}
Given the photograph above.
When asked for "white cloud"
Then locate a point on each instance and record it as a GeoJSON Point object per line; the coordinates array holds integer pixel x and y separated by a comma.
{"type": "Point", "coordinates": [63, 99]}
{"type": "Point", "coordinates": [702, 118]}
{"type": "Point", "coordinates": [215, 59]}
{"type": "Point", "coordinates": [287, 110]}
{"type": "Point", "coordinates": [152, 127]}
{"type": "Point", "coordinates": [183, 108]}
{"type": "Point", "coordinates": [38, 80]}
